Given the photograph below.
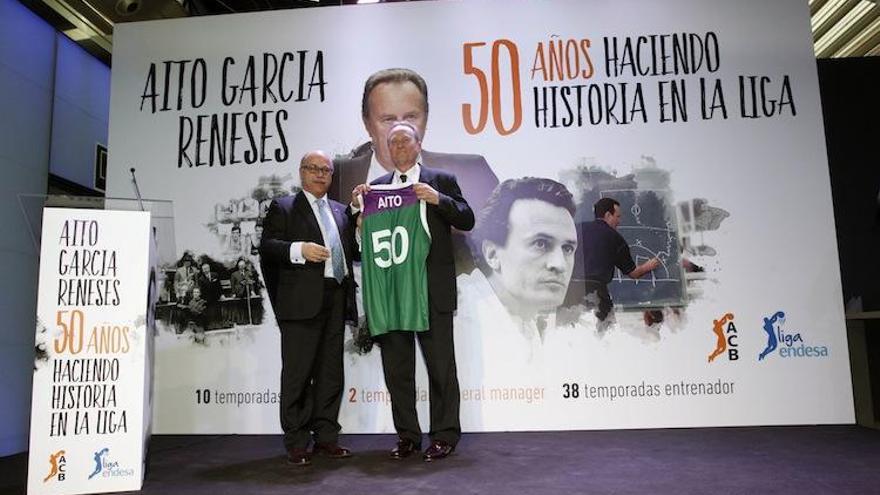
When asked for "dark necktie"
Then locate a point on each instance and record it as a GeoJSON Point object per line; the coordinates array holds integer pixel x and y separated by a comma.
{"type": "Point", "coordinates": [402, 177]}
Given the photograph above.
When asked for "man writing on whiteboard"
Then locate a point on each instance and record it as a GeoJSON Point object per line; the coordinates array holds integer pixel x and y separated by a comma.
{"type": "Point", "coordinates": [604, 250]}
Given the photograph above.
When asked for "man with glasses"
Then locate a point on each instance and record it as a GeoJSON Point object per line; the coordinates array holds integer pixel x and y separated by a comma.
{"type": "Point", "coordinates": [307, 247]}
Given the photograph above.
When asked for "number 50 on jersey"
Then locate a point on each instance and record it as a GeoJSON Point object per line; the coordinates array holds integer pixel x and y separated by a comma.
{"type": "Point", "coordinates": [396, 241]}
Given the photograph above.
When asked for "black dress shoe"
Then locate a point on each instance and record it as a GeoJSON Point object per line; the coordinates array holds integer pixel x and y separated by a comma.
{"type": "Point", "coordinates": [438, 450]}
{"type": "Point", "coordinates": [404, 449]}
{"type": "Point", "coordinates": [299, 457]}
{"type": "Point", "coordinates": [331, 450]}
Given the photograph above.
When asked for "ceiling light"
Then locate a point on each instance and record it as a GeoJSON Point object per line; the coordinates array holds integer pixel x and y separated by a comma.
{"type": "Point", "coordinates": [856, 44]}
{"type": "Point", "coordinates": [842, 26]}
{"type": "Point", "coordinates": [825, 12]}
{"type": "Point", "coordinates": [76, 34]}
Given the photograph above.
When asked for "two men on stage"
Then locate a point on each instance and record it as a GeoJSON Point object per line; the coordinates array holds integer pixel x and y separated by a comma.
{"type": "Point", "coordinates": [309, 244]}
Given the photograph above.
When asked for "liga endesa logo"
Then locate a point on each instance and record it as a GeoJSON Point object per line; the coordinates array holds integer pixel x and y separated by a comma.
{"type": "Point", "coordinates": [725, 338]}
{"type": "Point", "coordinates": [789, 343]}
{"type": "Point", "coordinates": [108, 468]}
{"type": "Point", "coordinates": [57, 467]}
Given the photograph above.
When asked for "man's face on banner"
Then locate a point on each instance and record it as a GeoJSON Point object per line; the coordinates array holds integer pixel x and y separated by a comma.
{"type": "Point", "coordinates": [388, 104]}
{"type": "Point", "coordinates": [613, 218]}
{"type": "Point", "coordinates": [536, 264]}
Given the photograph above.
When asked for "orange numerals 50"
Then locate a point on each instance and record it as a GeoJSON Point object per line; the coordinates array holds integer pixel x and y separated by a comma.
{"type": "Point", "coordinates": [72, 328]}
{"type": "Point", "coordinates": [496, 83]}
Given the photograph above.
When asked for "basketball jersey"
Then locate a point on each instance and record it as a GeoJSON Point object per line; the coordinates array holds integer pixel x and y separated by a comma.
{"type": "Point", "coordinates": [395, 244]}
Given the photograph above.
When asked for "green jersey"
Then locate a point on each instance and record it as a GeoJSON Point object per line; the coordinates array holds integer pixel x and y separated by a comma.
{"type": "Point", "coordinates": [395, 244]}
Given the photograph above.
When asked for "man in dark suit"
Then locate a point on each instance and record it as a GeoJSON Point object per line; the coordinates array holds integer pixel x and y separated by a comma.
{"type": "Point", "coordinates": [308, 242]}
{"type": "Point", "coordinates": [401, 95]}
{"type": "Point", "coordinates": [446, 208]}
{"type": "Point", "coordinates": [242, 279]}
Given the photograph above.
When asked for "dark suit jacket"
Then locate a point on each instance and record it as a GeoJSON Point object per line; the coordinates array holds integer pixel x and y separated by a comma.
{"type": "Point", "coordinates": [211, 288]}
{"type": "Point", "coordinates": [239, 280]}
{"type": "Point", "coordinates": [475, 178]}
{"type": "Point", "coordinates": [297, 291]}
{"type": "Point", "coordinates": [453, 211]}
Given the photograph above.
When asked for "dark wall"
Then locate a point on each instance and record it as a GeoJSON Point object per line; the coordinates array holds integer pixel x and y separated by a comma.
{"type": "Point", "coordinates": [27, 72]}
{"type": "Point", "coordinates": [851, 107]}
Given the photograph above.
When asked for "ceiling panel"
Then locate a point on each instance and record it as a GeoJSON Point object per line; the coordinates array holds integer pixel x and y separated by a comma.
{"type": "Point", "coordinates": [841, 28]}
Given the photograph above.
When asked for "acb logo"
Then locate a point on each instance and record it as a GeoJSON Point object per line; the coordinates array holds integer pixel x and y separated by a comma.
{"type": "Point", "coordinates": [57, 467]}
{"type": "Point", "coordinates": [725, 338]}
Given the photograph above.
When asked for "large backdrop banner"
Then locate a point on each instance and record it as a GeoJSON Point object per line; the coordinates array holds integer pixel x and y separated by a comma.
{"type": "Point", "coordinates": [701, 118]}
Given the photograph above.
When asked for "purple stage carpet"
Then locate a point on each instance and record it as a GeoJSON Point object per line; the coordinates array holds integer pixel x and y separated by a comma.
{"type": "Point", "coordinates": [820, 459]}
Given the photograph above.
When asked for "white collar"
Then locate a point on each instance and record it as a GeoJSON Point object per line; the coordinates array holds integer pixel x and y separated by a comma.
{"type": "Point", "coordinates": [312, 198]}
{"type": "Point", "coordinates": [412, 175]}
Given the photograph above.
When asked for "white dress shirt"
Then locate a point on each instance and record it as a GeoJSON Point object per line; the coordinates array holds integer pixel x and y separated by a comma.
{"type": "Point", "coordinates": [376, 169]}
{"type": "Point", "coordinates": [412, 175]}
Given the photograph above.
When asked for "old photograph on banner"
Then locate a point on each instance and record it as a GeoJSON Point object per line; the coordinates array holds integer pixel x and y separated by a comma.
{"type": "Point", "coordinates": [699, 122]}
{"type": "Point", "coordinates": [89, 412]}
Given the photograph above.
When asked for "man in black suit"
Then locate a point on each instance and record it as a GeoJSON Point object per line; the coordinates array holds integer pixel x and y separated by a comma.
{"type": "Point", "coordinates": [446, 208]}
{"type": "Point", "coordinates": [308, 243]}
{"type": "Point", "coordinates": [401, 95]}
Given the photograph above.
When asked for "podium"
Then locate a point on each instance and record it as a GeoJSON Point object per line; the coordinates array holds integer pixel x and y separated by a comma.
{"type": "Point", "coordinates": [92, 388]}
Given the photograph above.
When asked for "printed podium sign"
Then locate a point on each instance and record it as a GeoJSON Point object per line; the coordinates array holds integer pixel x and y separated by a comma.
{"type": "Point", "coordinates": [90, 409]}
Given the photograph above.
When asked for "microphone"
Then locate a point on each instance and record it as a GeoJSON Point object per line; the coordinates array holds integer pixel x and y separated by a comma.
{"type": "Point", "coordinates": [137, 190]}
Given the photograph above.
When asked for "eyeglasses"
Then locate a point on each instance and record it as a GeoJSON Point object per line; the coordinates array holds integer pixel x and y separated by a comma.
{"type": "Point", "coordinates": [317, 170]}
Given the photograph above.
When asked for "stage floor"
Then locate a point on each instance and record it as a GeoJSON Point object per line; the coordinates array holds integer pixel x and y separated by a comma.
{"type": "Point", "coordinates": [819, 459]}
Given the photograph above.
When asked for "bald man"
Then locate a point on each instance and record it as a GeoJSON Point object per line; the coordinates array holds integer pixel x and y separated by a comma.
{"type": "Point", "coordinates": [308, 246]}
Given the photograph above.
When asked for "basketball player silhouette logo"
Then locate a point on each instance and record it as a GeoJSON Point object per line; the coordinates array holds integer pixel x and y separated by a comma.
{"type": "Point", "coordinates": [718, 329]}
{"type": "Point", "coordinates": [99, 458]}
{"type": "Point", "coordinates": [770, 328]}
{"type": "Point", "coordinates": [53, 463]}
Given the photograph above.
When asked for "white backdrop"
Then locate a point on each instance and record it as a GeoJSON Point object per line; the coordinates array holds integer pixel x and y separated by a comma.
{"type": "Point", "coordinates": [774, 250]}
